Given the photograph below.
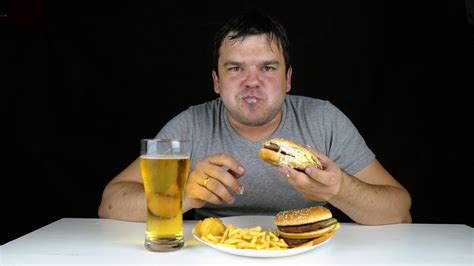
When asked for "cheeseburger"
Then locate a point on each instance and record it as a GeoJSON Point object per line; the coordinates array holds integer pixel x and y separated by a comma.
{"type": "Point", "coordinates": [280, 151]}
{"type": "Point", "coordinates": [306, 227]}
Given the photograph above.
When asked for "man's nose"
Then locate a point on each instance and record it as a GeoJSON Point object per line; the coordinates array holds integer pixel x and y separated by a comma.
{"type": "Point", "coordinates": [252, 78]}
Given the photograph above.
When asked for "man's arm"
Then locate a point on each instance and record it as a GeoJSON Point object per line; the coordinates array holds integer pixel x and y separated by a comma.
{"type": "Point", "coordinates": [372, 196]}
{"type": "Point", "coordinates": [124, 196]}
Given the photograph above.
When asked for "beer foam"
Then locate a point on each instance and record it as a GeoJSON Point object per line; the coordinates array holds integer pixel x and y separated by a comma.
{"type": "Point", "coordinates": [165, 157]}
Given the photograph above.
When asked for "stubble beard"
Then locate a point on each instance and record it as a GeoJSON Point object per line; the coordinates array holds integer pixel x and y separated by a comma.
{"type": "Point", "coordinates": [266, 117]}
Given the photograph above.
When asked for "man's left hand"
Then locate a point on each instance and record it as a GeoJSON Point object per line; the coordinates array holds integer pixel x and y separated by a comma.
{"type": "Point", "coordinates": [314, 183]}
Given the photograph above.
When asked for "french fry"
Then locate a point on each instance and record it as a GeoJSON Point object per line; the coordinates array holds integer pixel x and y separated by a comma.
{"type": "Point", "coordinates": [213, 238]}
{"type": "Point", "coordinates": [226, 245]}
{"type": "Point", "coordinates": [246, 238]}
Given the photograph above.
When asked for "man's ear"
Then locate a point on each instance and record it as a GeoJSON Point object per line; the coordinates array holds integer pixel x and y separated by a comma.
{"type": "Point", "coordinates": [215, 81]}
{"type": "Point", "coordinates": [288, 78]}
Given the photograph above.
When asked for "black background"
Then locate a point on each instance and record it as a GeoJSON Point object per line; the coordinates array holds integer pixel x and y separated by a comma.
{"type": "Point", "coordinates": [83, 83]}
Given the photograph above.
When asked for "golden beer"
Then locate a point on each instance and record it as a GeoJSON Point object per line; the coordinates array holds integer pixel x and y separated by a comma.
{"type": "Point", "coordinates": [164, 178]}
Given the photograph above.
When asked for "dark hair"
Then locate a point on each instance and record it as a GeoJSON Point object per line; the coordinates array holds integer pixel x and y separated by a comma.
{"type": "Point", "coordinates": [248, 24]}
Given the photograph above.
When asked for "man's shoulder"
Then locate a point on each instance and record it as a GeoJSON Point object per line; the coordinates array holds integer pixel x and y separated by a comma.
{"type": "Point", "coordinates": [305, 102]}
{"type": "Point", "coordinates": [206, 106]}
{"type": "Point", "coordinates": [195, 117]}
{"type": "Point", "coordinates": [198, 111]}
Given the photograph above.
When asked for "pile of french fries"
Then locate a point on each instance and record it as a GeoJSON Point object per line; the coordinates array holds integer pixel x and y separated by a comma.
{"type": "Point", "coordinates": [246, 238]}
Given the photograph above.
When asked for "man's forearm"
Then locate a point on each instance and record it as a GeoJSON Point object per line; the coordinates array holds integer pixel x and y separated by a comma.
{"type": "Point", "coordinates": [124, 201]}
{"type": "Point", "coordinates": [372, 204]}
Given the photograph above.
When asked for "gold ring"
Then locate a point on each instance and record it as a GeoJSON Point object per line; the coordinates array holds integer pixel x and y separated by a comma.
{"type": "Point", "coordinates": [206, 180]}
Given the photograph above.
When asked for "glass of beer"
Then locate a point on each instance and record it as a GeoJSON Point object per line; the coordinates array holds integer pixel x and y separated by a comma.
{"type": "Point", "coordinates": [164, 165]}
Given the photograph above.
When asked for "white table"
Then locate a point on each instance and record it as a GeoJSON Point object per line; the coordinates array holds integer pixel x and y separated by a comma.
{"type": "Point", "coordinates": [102, 241]}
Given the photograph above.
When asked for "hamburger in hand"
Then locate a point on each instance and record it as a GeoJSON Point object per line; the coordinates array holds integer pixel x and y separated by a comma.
{"type": "Point", "coordinates": [306, 227]}
{"type": "Point", "coordinates": [280, 151]}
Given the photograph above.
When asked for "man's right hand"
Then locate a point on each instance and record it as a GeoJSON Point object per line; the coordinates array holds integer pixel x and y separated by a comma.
{"type": "Point", "coordinates": [211, 180]}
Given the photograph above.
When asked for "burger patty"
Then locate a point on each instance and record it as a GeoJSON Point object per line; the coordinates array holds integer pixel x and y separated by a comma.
{"type": "Point", "coordinates": [307, 227]}
{"type": "Point", "coordinates": [272, 146]}
{"type": "Point", "coordinates": [296, 242]}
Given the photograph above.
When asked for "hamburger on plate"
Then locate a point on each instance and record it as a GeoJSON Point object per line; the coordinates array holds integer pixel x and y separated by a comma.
{"type": "Point", "coordinates": [307, 226]}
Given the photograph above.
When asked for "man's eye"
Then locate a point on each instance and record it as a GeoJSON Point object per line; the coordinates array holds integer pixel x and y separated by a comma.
{"type": "Point", "coordinates": [268, 68]}
{"type": "Point", "coordinates": [235, 69]}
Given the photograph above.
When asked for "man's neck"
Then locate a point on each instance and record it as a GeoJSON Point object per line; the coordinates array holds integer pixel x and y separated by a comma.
{"type": "Point", "coordinates": [256, 133]}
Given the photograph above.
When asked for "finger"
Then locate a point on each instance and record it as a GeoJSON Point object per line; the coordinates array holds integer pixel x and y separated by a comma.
{"type": "Point", "coordinates": [284, 170]}
{"type": "Point", "coordinates": [218, 189]}
{"type": "Point", "coordinates": [222, 159]}
{"type": "Point", "coordinates": [297, 178]}
{"type": "Point", "coordinates": [233, 170]}
{"type": "Point", "coordinates": [328, 178]}
{"type": "Point", "coordinates": [223, 177]}
{"type": "Point", "coordinates": [324, 159]}
{"type": "Point", "coordinates": [234, 174]}
{"type": "Point", "coordinates": [292, 174]}
{"type": "Point", "coordinates": [202, 193]}
{"type": "Point", "coordinates": [310, 188]}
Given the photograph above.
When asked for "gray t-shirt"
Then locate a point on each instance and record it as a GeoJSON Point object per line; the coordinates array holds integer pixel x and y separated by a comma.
{"type": "Point", "coordinates": [305, 120]}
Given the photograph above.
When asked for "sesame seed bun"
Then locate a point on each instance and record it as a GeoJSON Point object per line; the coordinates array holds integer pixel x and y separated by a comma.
{"type": "Point", "coordinates": [280, 151]}
{"type": "Point", "coordinates": [302, 216]}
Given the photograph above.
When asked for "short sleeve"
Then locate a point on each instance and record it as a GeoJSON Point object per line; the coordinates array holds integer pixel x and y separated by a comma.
{"type": "Point", "coordinates": [346, 145]}
{"type": "Point", "coordinates": [179, 127]}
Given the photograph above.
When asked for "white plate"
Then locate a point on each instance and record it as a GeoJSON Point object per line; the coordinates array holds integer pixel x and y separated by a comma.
{"type": "Point", "coordinates": [266, 222]}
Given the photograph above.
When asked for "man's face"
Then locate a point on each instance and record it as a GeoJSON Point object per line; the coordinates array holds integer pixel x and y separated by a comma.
{"type": "Point", "coordinates": [252, 82]}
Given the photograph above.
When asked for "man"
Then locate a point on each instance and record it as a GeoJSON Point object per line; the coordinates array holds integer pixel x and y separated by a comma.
{"type": "Point", "coordinates": [252, 75]}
